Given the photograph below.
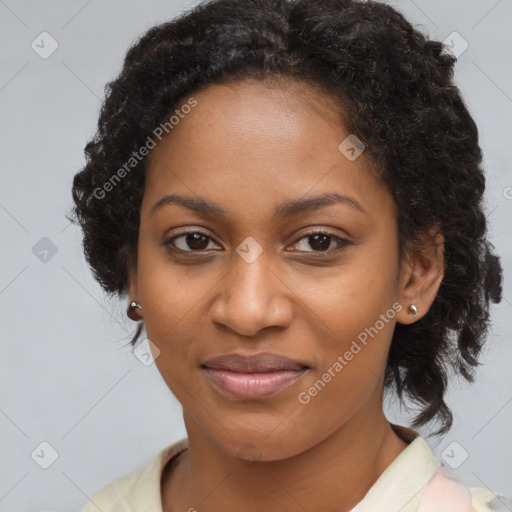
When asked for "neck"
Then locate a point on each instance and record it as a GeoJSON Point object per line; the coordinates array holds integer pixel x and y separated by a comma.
{"type": "Point", "coordinates": [339, 470]}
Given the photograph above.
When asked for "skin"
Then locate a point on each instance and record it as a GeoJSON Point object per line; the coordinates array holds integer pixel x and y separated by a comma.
{"type": "Point", "coordinates": [249, 146]}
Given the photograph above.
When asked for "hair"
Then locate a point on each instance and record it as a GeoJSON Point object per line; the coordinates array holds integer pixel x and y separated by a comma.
{"type": "Point", "coordinates": [395, 88]}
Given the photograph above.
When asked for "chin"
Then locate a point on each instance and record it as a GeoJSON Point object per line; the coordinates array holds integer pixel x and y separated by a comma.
{"type": "Point", "coordinates": [271, 444]}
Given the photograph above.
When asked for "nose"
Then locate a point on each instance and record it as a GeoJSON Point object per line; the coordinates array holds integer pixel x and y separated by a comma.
{"type": "Point", "coordinates": [252, 297]}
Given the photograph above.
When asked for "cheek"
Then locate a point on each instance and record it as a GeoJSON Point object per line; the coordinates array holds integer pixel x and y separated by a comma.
{"type": "Point", "coordinates": [169, 292]}
{"type": "Point", "coordinates": [352, 314]}
{"type": "Point", "coordinates": [344, 301]}
{"type": "Point", "coordinates": [169, 301]}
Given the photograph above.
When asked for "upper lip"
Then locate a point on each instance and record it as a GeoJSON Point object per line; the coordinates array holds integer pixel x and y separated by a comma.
{"type": "Point", "coordinates": [262, 362]}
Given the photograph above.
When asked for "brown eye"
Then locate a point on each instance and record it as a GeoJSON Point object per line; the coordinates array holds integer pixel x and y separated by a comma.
{"type": "Point", "coordinates": [320, 241]}
{"type": "Point", "coordinates": [190, 242]}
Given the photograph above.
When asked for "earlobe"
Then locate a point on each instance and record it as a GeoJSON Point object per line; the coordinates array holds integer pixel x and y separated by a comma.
{"type": "Point", "coordinates": [423, 275]}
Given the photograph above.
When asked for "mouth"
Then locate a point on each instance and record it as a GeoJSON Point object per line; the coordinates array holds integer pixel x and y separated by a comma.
{"type": "Point", "coordinates": [253, 377]}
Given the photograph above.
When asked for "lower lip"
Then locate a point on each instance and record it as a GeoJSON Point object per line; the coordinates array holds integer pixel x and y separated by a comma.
{"type": "Point", "coordinates": [253, 386]}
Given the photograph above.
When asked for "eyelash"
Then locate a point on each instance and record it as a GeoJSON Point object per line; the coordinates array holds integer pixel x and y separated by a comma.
{"type": "Point", "coordinates": [342, 243]}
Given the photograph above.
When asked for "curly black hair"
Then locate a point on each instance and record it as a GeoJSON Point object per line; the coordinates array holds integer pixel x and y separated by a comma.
{"type": "Point", "coordinates": [395, 87]}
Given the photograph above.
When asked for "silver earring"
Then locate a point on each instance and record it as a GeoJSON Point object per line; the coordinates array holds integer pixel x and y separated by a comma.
{"type": "Point", "coordinates": [134, 304]}
{"type": "Point", "coordinates": [413, 310]}
{"type": "Point", "coordinates": [131, 310]}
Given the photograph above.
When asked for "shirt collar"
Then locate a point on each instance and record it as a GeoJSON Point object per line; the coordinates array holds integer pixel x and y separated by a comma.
{"type": "Point", "coordinates": [398, 488]}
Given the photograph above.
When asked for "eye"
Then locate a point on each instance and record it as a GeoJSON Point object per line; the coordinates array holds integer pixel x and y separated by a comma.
{"type": "Point", "coordinates": [192, 241]}
{"type": "Point", "coordinates": [321, 241]}
{"type": "Point", "coordinates": [318, 241]}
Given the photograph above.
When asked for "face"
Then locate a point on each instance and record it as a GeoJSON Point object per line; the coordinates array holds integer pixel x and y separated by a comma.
{"type": "Point", "coordinates": [283, 246]}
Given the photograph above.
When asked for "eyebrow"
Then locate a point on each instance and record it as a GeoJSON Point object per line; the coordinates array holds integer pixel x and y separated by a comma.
{"type": "Point", "coordinates": [283, 210]}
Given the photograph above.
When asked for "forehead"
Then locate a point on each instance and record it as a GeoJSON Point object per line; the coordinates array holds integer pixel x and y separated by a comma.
{"type": "Point", "coordinates": [254, 141]}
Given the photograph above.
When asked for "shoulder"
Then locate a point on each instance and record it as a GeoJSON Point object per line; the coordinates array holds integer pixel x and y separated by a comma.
{"type": "Point", "coordinates": [445, 494]}
{"type": "Point", "coordinates": [139, 488]}
{"type": "Point", "coordinates": [484, 500]}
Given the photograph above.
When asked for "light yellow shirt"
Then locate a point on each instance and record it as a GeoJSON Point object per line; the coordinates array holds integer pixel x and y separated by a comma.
{"type": "Point", "coordinates": [400, 488]}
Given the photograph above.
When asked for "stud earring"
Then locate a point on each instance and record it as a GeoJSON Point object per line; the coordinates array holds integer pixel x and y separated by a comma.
{"type": "Point", "coordinates": [413, 310]}
{"type": "Point", "coordinates": [131, 310]}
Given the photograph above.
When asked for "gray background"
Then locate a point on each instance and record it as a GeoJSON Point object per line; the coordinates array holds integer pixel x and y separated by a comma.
{"type": "Point", "coordinates": [65, 379]}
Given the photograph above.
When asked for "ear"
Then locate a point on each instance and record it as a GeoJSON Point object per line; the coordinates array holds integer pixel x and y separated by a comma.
{"type": "Point", "coordinates": [421, 275]}
{"type": "Point", "coordinates": [132, 289]}
{"type": "Point", "coordinates": [131, 266]}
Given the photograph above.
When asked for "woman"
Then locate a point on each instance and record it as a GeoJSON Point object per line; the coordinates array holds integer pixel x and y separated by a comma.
{"type": "Point", "coordinates": [289, 194]}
